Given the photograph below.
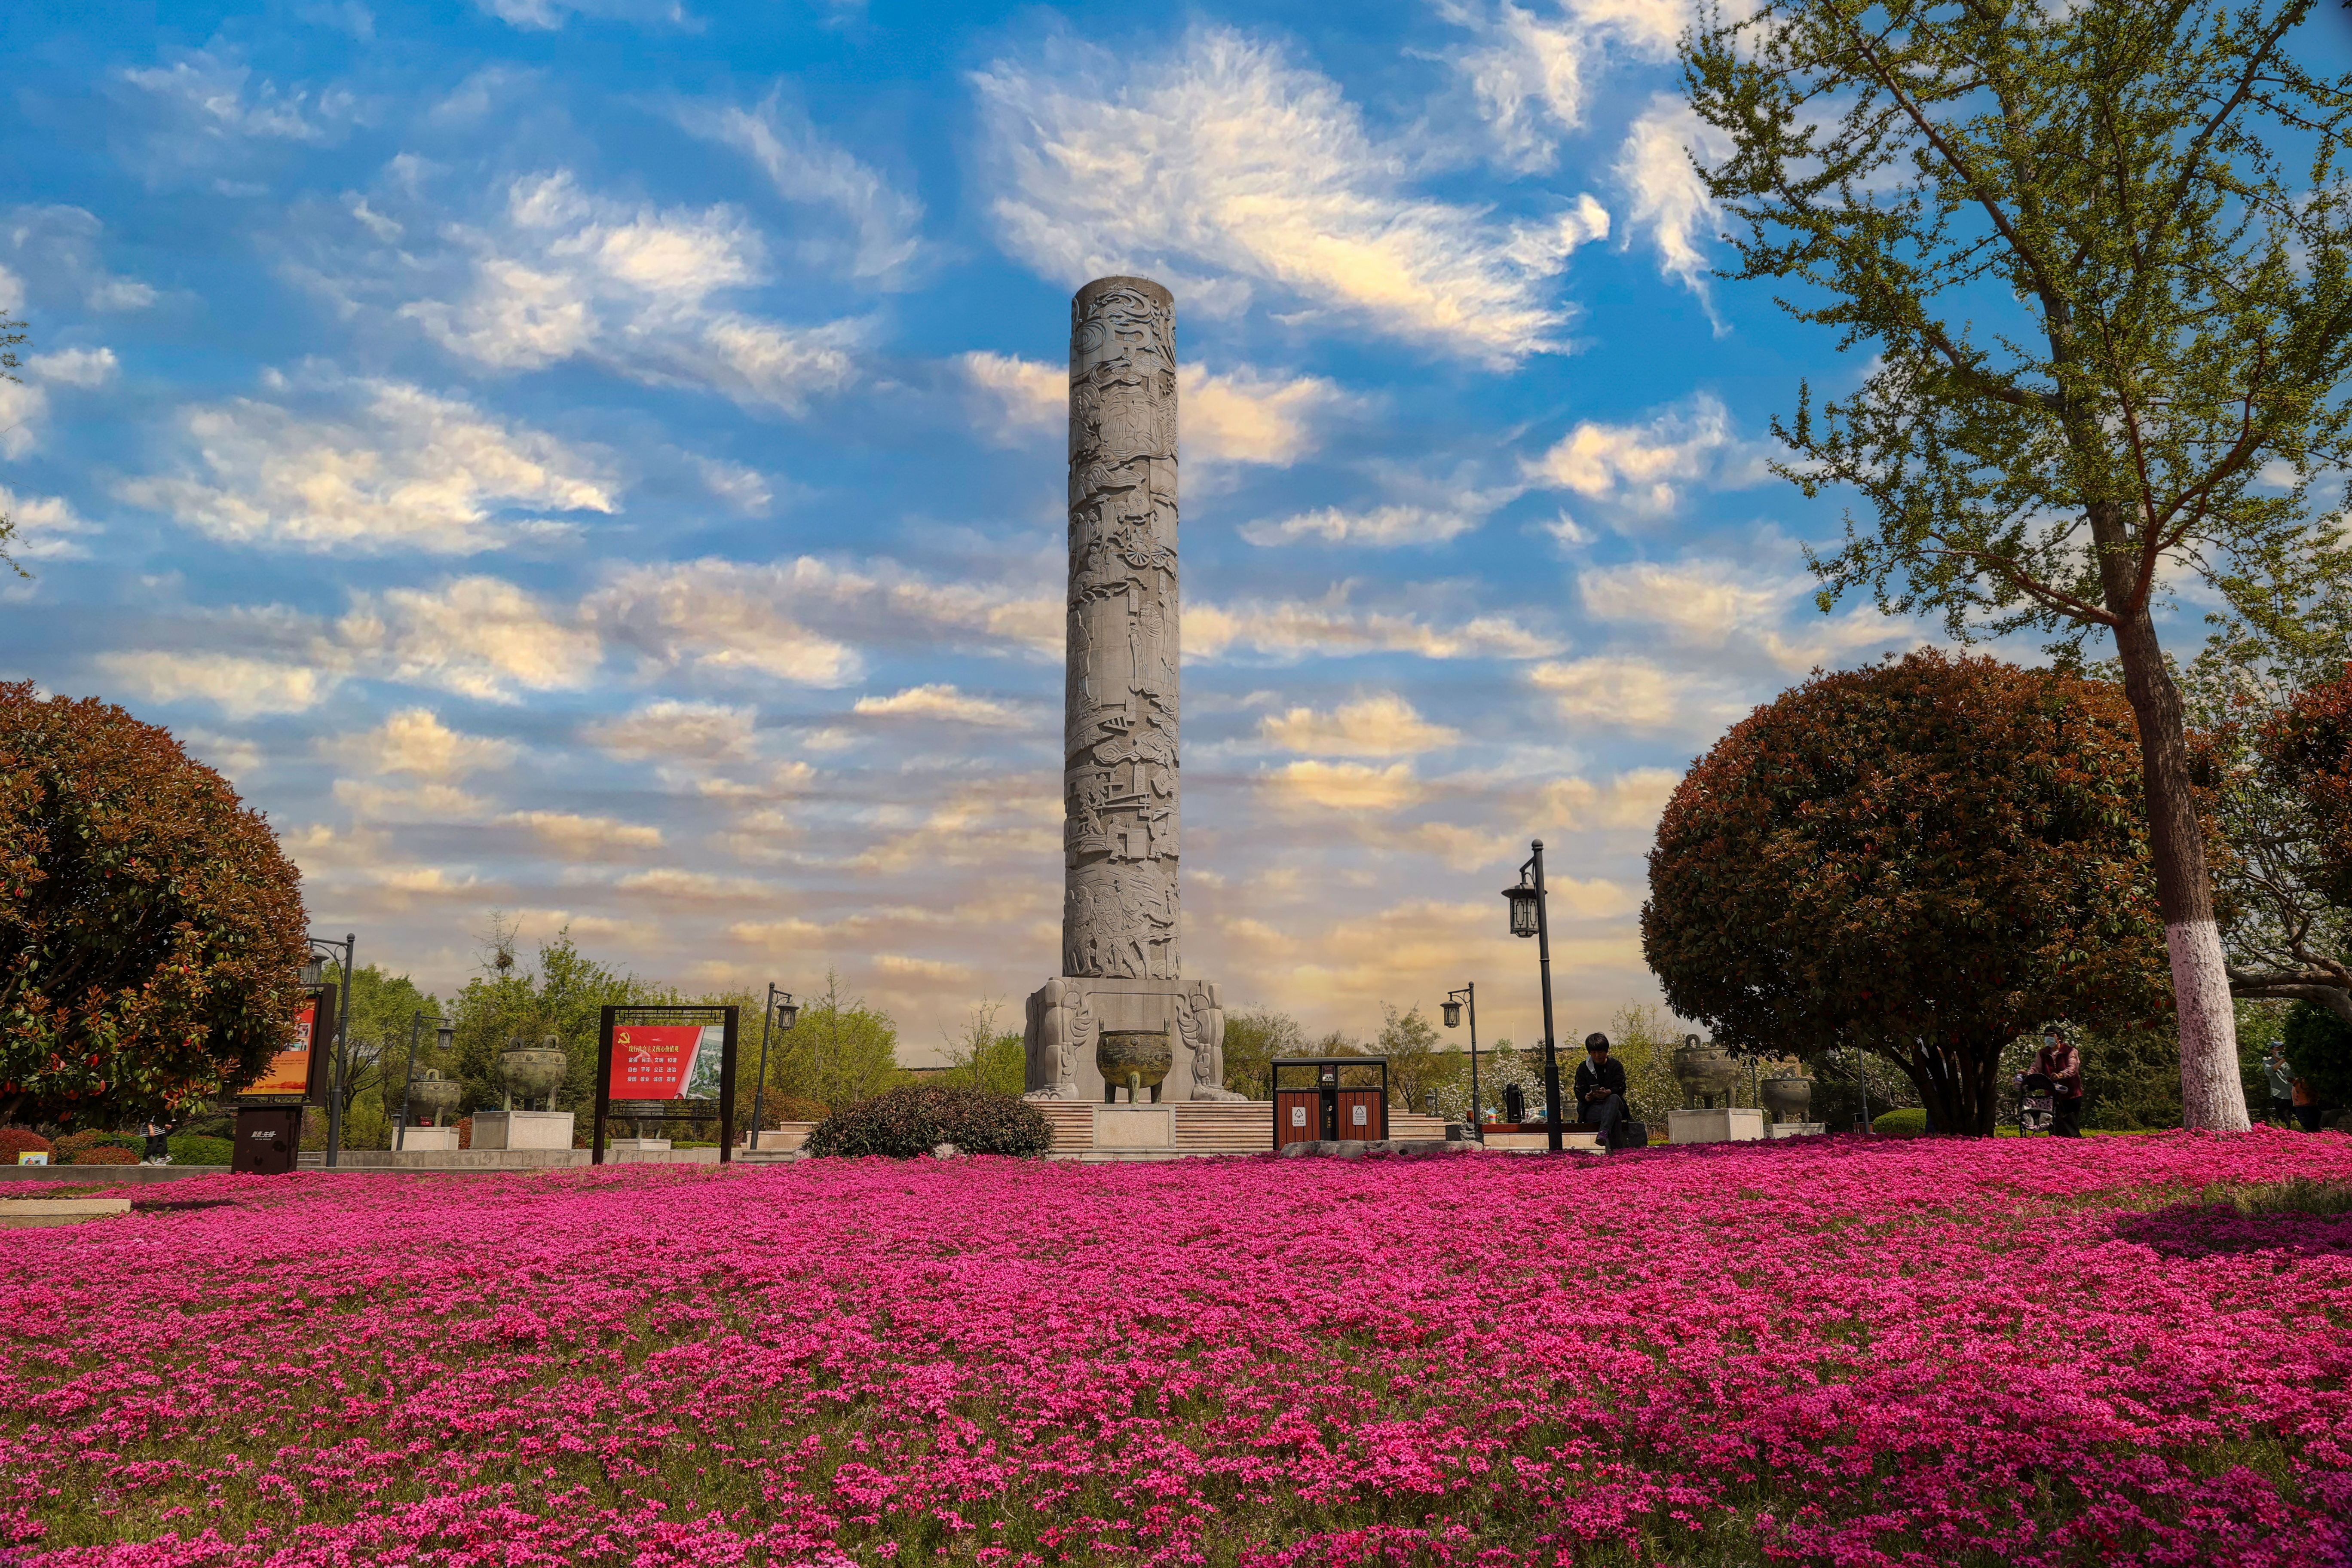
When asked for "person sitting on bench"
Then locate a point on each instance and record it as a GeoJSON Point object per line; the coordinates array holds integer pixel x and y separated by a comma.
{"type": "Point", "coordinates": [1600, 1090]}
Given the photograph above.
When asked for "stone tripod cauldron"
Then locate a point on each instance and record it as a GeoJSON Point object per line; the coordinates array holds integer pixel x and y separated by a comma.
{"type": "Point", "coordinates": [432, 1097]}
{"type": "Point", "coordinates": [1788, 1096]}
{"type": "Point", "coordinates": [533, 1072]}
{"type": "Point", "coordinates": [1136, 1059]}
{"type": "Point", "coordinates": [1705, 1071]}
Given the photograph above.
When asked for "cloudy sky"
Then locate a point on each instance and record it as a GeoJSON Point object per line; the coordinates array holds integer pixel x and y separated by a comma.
{"type": "Point", "coordinates": [602, 460]}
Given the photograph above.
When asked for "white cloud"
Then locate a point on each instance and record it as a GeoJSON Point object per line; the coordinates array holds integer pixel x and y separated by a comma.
{"type": "Point", "coordinates": [1703, 603]}
{"type": "Point", "coordinates": [678, 731]}
{"type": "Point", "coordinates": [945, 702]}
{"type": "Point", "coordinates": [59, 245]}
{"type": "Point", "coordinates": [1669, 200]}
{"type": "Point", "coordinates": [1245, 417]}
{"type": "Point", "coordinates": [1626, 693]}
{"type": "Point", "coordinates": [674, 885]}
{"type": "Point", "coordinates": [1242, 415]}
{"type": "Point", "coordinates": [1292, 629]}
{"type": "Point", "coordinates": [86, 368]}
{"type": "Point", "coordinates": [404, 470]}
{"type": "Point", "coordinates": [240, 687]}
{"type": "Point", "coordinates": [566, 274]}
{"type": "Point", "coordinates": [21, 404]}
{"type": "Point", "coordinates": [548, 16]}
{"type": "Point", "coordinates": [806, 168]}
{"type": "Point", "coordinates": [580, 837]}
{"type": "Point", "coordinates": [12, 292]}
{"type": "Point", "coordinates": [1220, 168]}
{"type": "Point", "coordinates": [414, 742]}
{"type": "Point", "coordinates": [479, 636]}
{"type": "Point", "coordinates": [234, 757]}
{"type": "Point", "coordinates": [46, 527]}
{"type": "Point", "coordinates": [802, 620]}
{"type": "Point", "coordinates": [1346, 786]}
{"type": "Point", "coordinates": [1645, 467]}
{"type": "Point", "coordinates": [1527, 74]}
{"type": "Point", "coordinates": [1632, 800]}
{"type": "Point", "coordinates": [1383, 527]}
{"type": "Point", "coordinates": [216, 98]}
{"type": "Point", "coordinates": [1381, 726]}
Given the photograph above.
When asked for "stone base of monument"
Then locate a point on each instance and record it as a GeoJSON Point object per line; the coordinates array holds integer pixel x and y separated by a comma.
{"type": "Point", "coordinates": [417, 1140]}
{"type": "Point", "coordinates": [1523, 1140]}
{"type": "Point", "coordinates": [1715, 1126]}
{"type": "Point", "coordinates": [1799, 1129]}
{"type": "Point", "coordinates": [459, 1159]}
{"type": "Point", "coordinates": [1071, 1013]}
{"type": "Point", "coordinates": [522, 1130]}
{"type": "Point", "coordinates": [635, 1146]}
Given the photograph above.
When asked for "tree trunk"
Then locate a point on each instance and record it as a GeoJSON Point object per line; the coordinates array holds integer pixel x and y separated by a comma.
{"type": "Point", "coordinates": [2211, 1096]}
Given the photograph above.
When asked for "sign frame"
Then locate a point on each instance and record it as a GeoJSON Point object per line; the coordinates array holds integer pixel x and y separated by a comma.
{"type": "Point", "coordinates": [727, 1018]}
{"type": "Point", "coordinates": [322, 1000]}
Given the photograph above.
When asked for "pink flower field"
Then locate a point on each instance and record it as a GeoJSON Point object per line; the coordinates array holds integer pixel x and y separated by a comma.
{"type": "Point", "coordinates": [1842, 1350]}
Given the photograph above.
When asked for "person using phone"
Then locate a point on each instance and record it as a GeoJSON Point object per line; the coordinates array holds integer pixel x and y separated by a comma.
{"type": "Point", "coordinates": [1601, 1088]}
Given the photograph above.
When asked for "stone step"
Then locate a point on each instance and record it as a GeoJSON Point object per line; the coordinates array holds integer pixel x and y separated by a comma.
{"type": "Point", "coordinates": [41, 1214]}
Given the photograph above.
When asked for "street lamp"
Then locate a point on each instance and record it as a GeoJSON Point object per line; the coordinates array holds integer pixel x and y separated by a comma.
{"type": "Point", "coordinates": [444, 1035]}
{"type": "Point", "coordinates": [1527, 919]}
{"type": "Point", "coordinates": [785, 1013]}
{"type": "Point", "coordinates": [1454, 1002]}
{"type": "Point", "coordinates": [314, 971]}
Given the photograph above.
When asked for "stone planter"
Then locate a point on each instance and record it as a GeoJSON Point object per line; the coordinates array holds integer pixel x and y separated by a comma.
{"type": "Point", "coordinates": [1788, 1098]}
{"type": "Point", "coordinates": [1134, 1059]}
{"type": "Point", "coordinates": [1704, 1071]}
{"type": "Point", "coordinates": [533, 1072]}
{"type": "Point", "coordinates": [433, 1098]}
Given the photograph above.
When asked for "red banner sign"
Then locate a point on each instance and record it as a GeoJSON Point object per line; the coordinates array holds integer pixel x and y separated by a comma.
{"type": "Point", "coordinates": [659, 1061]}
{"type": "Point", "coordinates": [290, 1071]}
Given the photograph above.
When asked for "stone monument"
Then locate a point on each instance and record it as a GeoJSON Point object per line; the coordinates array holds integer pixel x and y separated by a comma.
{"type": "Point", "coordinates": [1120, 972]}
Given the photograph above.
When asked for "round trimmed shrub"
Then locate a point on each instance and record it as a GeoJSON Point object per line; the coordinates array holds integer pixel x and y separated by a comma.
{"type": "Point", "coordinates": [905, 1122]}
{"type": "Point", "coordinates": [189, 1149]}
{"type": "Point", "coordinates": [102, 1154]}
{"type": "Point", "coordinates": [16, 1141]}
{"type": "Point", "coordinates": [1909, 1122]}
{"type": "Point", "coordinates": [90, 1147]}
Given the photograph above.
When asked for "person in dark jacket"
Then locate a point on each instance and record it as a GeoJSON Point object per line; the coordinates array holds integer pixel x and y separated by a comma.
{"type": "Point", "coordinates": [1601, 1088]}
{"type": "Point", "coordinates": [2061, 1063]}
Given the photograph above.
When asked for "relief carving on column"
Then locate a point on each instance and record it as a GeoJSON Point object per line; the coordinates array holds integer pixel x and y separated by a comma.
{"type": "Point", "coordinates": [1201, 1031]}
{"type": "Point", "coordinates": [1060, 1034]}
{"type": "Point", "coordinates": [1120, 783]}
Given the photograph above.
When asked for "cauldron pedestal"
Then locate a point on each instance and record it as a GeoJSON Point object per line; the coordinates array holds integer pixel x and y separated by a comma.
{"type": "Point", "coordinates": [522, 1130]}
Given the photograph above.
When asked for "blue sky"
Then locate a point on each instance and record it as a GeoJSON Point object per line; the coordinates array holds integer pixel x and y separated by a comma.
{"type": "Point", "coordinates": [604, 462]}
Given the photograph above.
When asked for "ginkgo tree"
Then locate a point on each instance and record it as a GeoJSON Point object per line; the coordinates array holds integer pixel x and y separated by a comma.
{"type": "Point", "coordinates": [2098, 254]}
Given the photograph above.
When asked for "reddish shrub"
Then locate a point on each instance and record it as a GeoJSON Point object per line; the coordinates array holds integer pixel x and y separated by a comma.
{"type": "Point", "coordinates": [16, 1141]}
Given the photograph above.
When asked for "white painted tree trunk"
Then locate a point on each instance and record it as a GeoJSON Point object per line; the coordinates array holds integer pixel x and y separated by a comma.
{"type": "Point", "coordinates": [2212, 1095]}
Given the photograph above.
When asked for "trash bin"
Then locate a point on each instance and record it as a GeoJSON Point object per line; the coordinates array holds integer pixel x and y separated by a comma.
{"type": "Point", "coordinates": [1324, 1108]}
{"type": "Point", "coordinates": [269, 1140]}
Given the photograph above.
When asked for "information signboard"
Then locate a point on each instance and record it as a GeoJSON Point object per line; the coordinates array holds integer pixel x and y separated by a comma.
{"type": "Point", "coordinates": [296, 1072]}
{"type": "Point", "coordinates": [681, 1059]}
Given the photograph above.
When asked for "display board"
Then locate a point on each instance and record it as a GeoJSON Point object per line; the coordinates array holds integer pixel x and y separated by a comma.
{"type": "Point", "coordinates": [680, 1058]}
{"type": "Point", "coordinates": [297, 1072]}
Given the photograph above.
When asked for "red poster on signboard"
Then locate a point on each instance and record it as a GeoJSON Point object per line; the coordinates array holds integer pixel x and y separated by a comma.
{"type": "Point", "coordinates": [290, 1071]}
{"type": "Point", "coordinates": [654, 1061]}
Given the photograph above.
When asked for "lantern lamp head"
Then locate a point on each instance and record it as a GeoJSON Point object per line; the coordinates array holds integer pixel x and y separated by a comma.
{"type": "Point", "coordinates": [1524, 899]}
{"type": "Point", "coordinates": [445, 1036]}
{"type": "Point", "coordinates": [788, 1012]}
{"type": "Point", "coordinates": [1454, 1015]}
{"type": "Point", "coordinates": [314, 971]}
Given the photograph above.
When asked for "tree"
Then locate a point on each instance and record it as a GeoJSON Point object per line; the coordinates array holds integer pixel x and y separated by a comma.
{"type": "Point", "coordinates": [565, 997]}
{"type": "Point", "coordinates": [1254, 1036]}
{"type": "Point", "coordinates": [12, 337]}
{"type": "Point", "coordinates": [1924, 859]}
{"type": "Point", "coordinates": [151, 929]}
{"type": "Point", "coordinates": [1415, 1064]}
{"type": "Point", "coordinates": [2319, 1049]}
{"type": "Point", "coordinates": [2103, 319]}
{"type": "Point", "coordinates": [383, 1012]}
{"type": "Point", "coordinates": [2277, 765]}
{"type": "Point", "coordinates": [987, 1058]}
{"type": "Point", "coordinates": [840, 1053]}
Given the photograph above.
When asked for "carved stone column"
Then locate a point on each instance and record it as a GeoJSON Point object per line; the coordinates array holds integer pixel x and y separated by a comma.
{"type": "Point", "coordinates": [1119, 911]}
{"type": "Point", "coordinates": [1120, 967]}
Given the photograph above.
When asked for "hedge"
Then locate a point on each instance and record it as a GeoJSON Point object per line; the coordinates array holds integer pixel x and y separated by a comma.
{"type": "Point", "coordinates": [1908, 1122]}
{"type": "Point", "coordinates": [914, 1121]}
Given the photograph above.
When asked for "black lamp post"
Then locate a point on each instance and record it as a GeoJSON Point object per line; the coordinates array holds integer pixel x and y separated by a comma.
{"type": "Point", "coordinates": [1527, 919]}
{"type": "Point", "coordinates": [313, 972]}
{"type": "Point", "coordinates": [785, 1013]}
{"type": "Point", "coordinates": [1454, 1003]}
{"type": "Point", "coordinates": [445, 1033]}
